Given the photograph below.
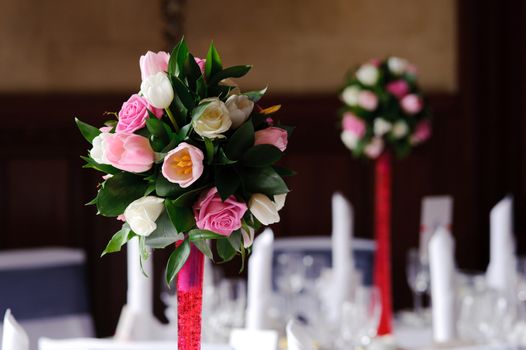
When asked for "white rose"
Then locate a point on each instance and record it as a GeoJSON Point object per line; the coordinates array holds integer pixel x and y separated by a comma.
{"type": "Point", "coordinates": [279, 200]}
{"type": "Point", "coordinates": [381, 127]}
{"type": "Point", "coordinates": [98, 152]}
{"type": "Point", "coordinates": [400, 129]}
{"type": "Point", "coordinates": [239, 108]}
{"type": "Point", "coordinates": [158, 90]}
{"type": "Point", "coordinates": [397, 65]}
{"type": "Point", "coordinates": [142, 213]}
{"type": "Point", "coordinates": [349, 139]}
{"type": "Point", "coordinates": [213, 119]}
{"type": "Point", "coordinates": [374, 148]}
{"type": "Point", "coordinates": [367, 74]}
{"type": "Point", "coordinates": [350, 95]}
{"type": "Point", "coordinates": [248, 237]}
{"type": "Point", "coordinates": [263, 209]}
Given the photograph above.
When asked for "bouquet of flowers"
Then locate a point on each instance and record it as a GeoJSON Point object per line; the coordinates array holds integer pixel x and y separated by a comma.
{"type": "Point", "coordinates": [188, 159]}
{"type": "Point", "coordinates": [383, 105]}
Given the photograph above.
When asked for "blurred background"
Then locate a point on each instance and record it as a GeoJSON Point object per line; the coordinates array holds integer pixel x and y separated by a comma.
{"type": "Point", "coordinates": [60, 59]}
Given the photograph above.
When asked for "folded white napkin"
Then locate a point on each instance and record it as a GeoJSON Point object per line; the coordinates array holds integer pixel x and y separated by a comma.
{"type": "Point", "coordinates": [298, 337]}
{"type": "Point", "coordinates": [14, 336]}
{"type": "Point", "coordinates": [260, 281]}
{"type": "Point", "coordinates": [442, 265]}
{"type": "Point", "coordinates": [502, 266]}
{"type": "Point", "coordinates": [343, 274]}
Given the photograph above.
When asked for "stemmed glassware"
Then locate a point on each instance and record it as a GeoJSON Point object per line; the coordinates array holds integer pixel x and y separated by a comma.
{"type": "Point", "coordinates": [418, 278]}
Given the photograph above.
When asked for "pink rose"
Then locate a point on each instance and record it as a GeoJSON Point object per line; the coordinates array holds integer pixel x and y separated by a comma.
{"type": "Point", "coordinates": [276, 137]}
{"type": "Point", "coordinates": [201, 63]}
{"type": "Point", "coordinates": [375, 62]}
{"type": "Point", "coordinates": [134, 113]}
{"type": "Point", "coordinates": [398, 88]}
{"type": "Point", "coordinates": [422, 132]}
{"type": "Point", "coordinates": [129, 152]}
{"type": "Point", "coordinates": [211, 213]}
{"type": "Point", "coordinates": [412, 104]}
{"type": "Point", "coordinates": [367, 100]}
{"type": "Point", "coordinates": [152, 63]}
{"type": "Point", "coordinates": [183, 165]}
{"type": "Point", "coordinates": [353, 124]}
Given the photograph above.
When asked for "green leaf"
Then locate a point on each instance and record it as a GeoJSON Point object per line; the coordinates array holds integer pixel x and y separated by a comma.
{"type": "Point", "coordinates": [225, 250]}
{"type": "Point", "coordinates": [159, 137]}
{"type": "Point", "coordinates": [165, 188]}
{"type": "Point", "coordinates": [165, 233]}
{"type": "Point", "coordinates": [89, 132]}
{"type": "Point", "coordinates": [187, 199]}
{"type": "Point", "coordinates": [118, 240]}
{"type": "Point", "coordinates": [183, 93]}
{"type": "Point", "coordinates": [192, 71]}
{"type": "Point", "coordinates": [230, 72]}
{"type": "Point", "coordinates": [201, 87]}
{"type": "Point", "coordinates": [182, 217]}
{"type": "Point", "coordinates": [203, 246]}
{"type": "Point", "coordinates": [185, 130]}
{"type": "Point", "coordinates": [177, 58]}
{"type": "Point", "coordinates": [264, 180]}
{"type": "Point", "coordinates": [243, 257]}
{"type": "Point", "coordinates": [241, 140]}
{"type": "Point", "coordinates": [222, 159]}
{"type": "Point", "coordinates": [227, 181]}
{"type": "Point", "coordinates": [235, 240]}
{"type": "Point", "coordinates": [105, 168]}
{"type": "Point", "coordinates": [261, 156]}
{"type": "Point", "coordinates": [213, 62]}
{"type": "Point", "coordinates": [145, 253]}
{"type": "Point", "coordinates": [209, 146]}
{"type": "Point", "coordinates": [197, 234]}
{"type": "Point", "coordinates": [255, 96]}
{"type": "Point", "coordinates": [177, 260]}
{"type": "Point", "coordinates": [118, 192]}
{"type": "Point", "coordinates": [283, 171]}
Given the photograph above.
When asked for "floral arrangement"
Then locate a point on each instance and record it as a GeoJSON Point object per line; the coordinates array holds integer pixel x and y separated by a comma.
{"type": "Point", "coordinates": [188, 159]}
{"type": "Point", "coordinates": [383, 105]}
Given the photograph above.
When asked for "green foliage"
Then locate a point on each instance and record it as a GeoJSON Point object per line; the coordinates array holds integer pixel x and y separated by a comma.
{"type": "Point", "coordinates": [261, 156]}
{"type": "Point", "coordinates": [89, 132]}
{"type": "Point", "coordinates": [118, 192]}
{"type": "Point", "coordinates": [227, 181]}
{"type": "Point", "coordinates": [118, 240]}
{"type": "Point", "coordinates": [225, 250]}
{"type": "Point", "coordinates": [177, 260]}
{"type": "Point", "coordinates": [213, 62]}
{"type": "Point", "coordinates": [264, 180]}
{"type": "Point", "coordinates": [241, 140]}
{"type": "Point", "coordinates": [182, 217]}
{"type": "Point", "coordinates": [165, 234]}
{"type": "Point", "coordinates": [230, 72]}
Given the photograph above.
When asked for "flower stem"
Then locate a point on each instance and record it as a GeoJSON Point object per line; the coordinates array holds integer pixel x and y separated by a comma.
{"type": "Point", "coordinates": [172, 119]}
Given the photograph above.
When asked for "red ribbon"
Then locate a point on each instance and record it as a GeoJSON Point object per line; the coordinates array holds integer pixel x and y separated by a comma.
{"type": "Point", "coordinates": [382, 265]}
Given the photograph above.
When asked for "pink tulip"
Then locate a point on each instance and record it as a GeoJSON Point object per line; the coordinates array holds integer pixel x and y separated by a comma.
{"type": "Point", "coordinates": [201, 62]}
{"type": "Point", "coordinates": [353, 124]}
{"type": "Point", "coordinates": [183, 165]}
{"type": "Point", "coordinates": [134, 113]}
{"type": "Point", "coordinates": [152, 63]}
{"type": "Point", "coordinates": [367, 100]}
{"type": "Point", "coordinates": [398, 88]}
{"type": "Point", "coordinates": [129, 152]}
{"type": "Point", "coordinates": [223, 218]}
{"type": "Point", "coordinates": [412, 104]}
{"type": "Point", "coordinates": [272, 136]}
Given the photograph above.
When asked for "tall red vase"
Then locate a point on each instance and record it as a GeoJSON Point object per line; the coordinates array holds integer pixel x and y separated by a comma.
{"type": "Point", "coordinates": [382, 264]}
{"type": "Point", "coordinates": [189, 301]}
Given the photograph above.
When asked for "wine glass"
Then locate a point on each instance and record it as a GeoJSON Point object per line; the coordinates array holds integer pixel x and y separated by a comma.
{"type": "Point", "coordinates": [360, 317]}
{"type": "Point", "coordinates": [418, 278]}
{"type": "Point", "coordinates": [290, 280]}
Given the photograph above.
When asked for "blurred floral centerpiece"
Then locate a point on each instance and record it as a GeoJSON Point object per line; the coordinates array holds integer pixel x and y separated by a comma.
{"type": "Point", "coordinates": [188, 159]}
{"type": "Point", "coordinates": [383, 106]}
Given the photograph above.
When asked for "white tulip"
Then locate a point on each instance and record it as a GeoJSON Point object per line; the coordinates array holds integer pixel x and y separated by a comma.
{"type": "Point", "coordinates": [397, 65]}
{"type": "Point", "coordinates": [239, 108]}
{"type": "Point", "coordinates": [142, 213]}
{"type": "Point", "coordinates": [263, 209]}
{"type": "Point", "coordinates": [349, 139]}
{"type": "Point", "coordinates": [248, 237]}
{"type": "Point", "coordinates": [400, 129]}
{"type": "Point", "coordinates": [381, 127]}
{"type": "Point", "coordinates": [158, 90]}
{"type": "Point", "coordinates": [213, 120]}
{"type": "Point", "coordinates": [98, 152]}
{"type": "Point", "coordinates": [367, 74]}
{"type": "Point", "coordinates": [279, 200]}
{"type": "Point", "coordinates": [350, 95]}
{"type": "Point", "coordinates": [374, 148]}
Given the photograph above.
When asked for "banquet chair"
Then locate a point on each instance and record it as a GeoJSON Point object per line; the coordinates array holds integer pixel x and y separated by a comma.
{"type": "Point", "coordinates": [320, 247]}
{"type": "Point", "coordinates": [46, 290]}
